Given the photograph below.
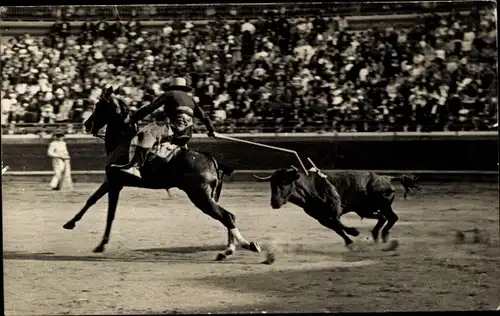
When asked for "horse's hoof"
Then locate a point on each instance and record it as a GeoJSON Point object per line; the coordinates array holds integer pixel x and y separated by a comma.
{"type": "Point", "coordinates": [229, 252]}
{"type": "Point", "coordinates": [69, 225]}
{"type": "Point", "coordinates": [254, 246]}
{"type": "Point", "coordinates": [352, 247]}
{"type": "Point", "coordinates": [98, 249]}
{"type": "Point", "coordinates": [220, 257]}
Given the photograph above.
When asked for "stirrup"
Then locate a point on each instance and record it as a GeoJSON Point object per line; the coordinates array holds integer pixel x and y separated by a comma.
{"type": "Point", "coordinates": [124, 166]}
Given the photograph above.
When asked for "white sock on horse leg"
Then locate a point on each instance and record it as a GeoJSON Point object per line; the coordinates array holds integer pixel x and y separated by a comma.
{"type": "Point", "coordinates": [230, 249]}
{"type": "Point", "coordinates": [237, 235]}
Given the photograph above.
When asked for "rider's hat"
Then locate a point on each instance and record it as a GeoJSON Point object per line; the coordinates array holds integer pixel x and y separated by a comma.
{"type": "Point", "coordinates": [180, 83]}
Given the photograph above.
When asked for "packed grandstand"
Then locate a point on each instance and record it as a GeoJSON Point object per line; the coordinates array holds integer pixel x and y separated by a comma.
{"type": "Point", "coordinates": [278, 72]}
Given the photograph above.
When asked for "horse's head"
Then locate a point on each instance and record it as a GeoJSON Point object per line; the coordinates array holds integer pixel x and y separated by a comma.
{"type": "Point", "coordinates": [107, 111]}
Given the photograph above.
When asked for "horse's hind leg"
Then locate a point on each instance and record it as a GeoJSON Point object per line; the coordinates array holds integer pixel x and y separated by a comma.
{"type": "Point", "coordinates": [202, 200]}
{"type": "Point", "coordinates": [96, 196]}
{"type": "Point", "coordinates": [230, 237]}
{"type": "Point", "coordinates": [113, 195]}
{"type": "Point", "coordinates": [215, 194]}
{"type": "Point", "coordinates": [231, 243]}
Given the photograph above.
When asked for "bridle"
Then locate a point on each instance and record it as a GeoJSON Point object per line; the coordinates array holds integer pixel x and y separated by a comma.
{"type": "Point", "coordinates": [120, 107]}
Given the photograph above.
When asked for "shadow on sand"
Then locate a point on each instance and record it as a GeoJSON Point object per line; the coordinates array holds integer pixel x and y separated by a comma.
{"type": "Point", "coordinates": [202, 254]}
{"type": "Point", "coordinates": [199, 254]}
{"type": "Point", "coordinates": [182, 249]}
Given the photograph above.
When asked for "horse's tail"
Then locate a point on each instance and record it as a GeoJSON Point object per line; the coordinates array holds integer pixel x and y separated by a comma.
{"type": "Point", "coordinates": [222, 170]}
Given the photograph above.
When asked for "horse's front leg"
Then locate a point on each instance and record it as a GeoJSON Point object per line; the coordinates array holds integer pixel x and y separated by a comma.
{"type": "Point", "coordinates": [202, 199]}
{"type": "Point", "coordinates": [113, 196]}
{"type": "Point", "coordinates": [96, 196]}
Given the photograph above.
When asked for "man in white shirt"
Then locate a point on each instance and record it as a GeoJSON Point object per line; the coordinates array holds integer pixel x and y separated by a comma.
{"type": "Point", "coordinates": [4, 169]}
{"type": "Point", "coordinates": [58, 151]}
{"type": "Point", "coordinates": [6, 108]}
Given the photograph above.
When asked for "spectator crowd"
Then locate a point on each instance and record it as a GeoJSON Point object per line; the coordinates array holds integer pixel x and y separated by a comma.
{"type": "Point", "coordinates": [276, 73]}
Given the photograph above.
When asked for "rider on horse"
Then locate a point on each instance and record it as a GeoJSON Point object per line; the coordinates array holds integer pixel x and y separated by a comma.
{"type": "Point", "coordinates": [180, 109]}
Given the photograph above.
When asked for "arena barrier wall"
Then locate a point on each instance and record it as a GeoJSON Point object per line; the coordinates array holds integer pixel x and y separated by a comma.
{"type": "Point", "coordinates": [434, 156]}
{"type": "Point", "coordinates": [38, 28]}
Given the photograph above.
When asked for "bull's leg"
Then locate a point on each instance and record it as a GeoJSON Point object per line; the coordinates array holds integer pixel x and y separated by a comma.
{"type": "Point", "coordinates": [392, 218]}
{"type": "Point", "coordinates": [113, 195]}
{"type": "Point", "coordinates": [336, 225]}
{"type": "Point", "coordinates": [380, 223]}
{"type": "Point", "coordinates": [96, 196]}
{"type": "Point", "coordinates": [337, 209]}
{"type": "Point", "coordinates": [201, 198]}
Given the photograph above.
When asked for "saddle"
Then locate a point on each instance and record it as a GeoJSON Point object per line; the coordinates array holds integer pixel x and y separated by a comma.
{"type": "Point", "coordinates": [165, 150]}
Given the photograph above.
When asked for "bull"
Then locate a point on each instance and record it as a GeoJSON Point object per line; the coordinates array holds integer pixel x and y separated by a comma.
{"type": "Point", "coordinates": [327, 198]}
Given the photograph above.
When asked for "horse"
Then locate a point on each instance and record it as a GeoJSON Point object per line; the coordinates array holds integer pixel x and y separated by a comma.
{"type": "Point", "coordinates": [196, 173]}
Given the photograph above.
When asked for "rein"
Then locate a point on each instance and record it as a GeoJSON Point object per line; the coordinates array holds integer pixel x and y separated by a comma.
{"type": "Point", "coordinates": [99, 136]}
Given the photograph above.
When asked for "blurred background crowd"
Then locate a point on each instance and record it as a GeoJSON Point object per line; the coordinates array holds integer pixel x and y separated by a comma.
{"type": "Point", "coordinates": [276, 73]}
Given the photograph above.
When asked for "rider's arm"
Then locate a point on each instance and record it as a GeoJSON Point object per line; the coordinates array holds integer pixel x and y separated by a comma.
{"type": "Point", "coordinates": [148, 109]}
{"type": "Point", "coordinates": [202, 116]}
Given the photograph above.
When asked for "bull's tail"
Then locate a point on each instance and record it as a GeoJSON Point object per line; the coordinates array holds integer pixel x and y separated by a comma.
{"type": "Point", "coordinates": [409, 182]}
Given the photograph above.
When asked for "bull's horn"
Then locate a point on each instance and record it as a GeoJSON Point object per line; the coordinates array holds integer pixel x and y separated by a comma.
{"type": "Point", "coordinates": [294, 168]}
{"type": "Point", "coordinates": [262, 179]}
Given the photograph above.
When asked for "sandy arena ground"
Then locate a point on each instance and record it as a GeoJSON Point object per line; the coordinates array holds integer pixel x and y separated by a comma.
{"type": "Point", "coordinates": [160, 256]}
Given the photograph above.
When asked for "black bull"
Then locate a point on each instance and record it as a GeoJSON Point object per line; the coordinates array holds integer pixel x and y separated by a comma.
{"type": "Point", "coordinates": [326, 199]}
{"type": "Point", "coordinates": [195, 173]}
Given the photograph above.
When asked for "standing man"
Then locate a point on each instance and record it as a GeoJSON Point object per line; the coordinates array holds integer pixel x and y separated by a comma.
{"type": "Point", "coordinates": [180, 108]}
{"type": "Point", "coordinates": [4, 169]}
{"type": "Point", "coordinates": [58, 151]}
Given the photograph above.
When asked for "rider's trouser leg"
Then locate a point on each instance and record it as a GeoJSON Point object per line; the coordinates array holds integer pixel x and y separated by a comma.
{"type": "Point", "coordinates": [137, 156]}
{"type": "Point", "coordinates": [136, 160]}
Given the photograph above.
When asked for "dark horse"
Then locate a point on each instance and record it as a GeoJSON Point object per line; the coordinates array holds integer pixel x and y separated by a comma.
{"type": "Point", "coordinates": [195, 173]}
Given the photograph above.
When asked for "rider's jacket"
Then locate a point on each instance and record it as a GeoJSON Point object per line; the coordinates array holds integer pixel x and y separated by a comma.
{"type": "Point", "coordinates": [180, 108]}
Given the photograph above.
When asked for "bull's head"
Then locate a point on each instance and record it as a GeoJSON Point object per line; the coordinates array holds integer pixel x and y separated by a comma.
{"type": "Point", "coordinates": [282, 183]}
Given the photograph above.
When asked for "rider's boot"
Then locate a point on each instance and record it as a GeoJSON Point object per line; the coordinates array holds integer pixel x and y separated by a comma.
{"type": "Point", "coordinates": [136, 161]}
